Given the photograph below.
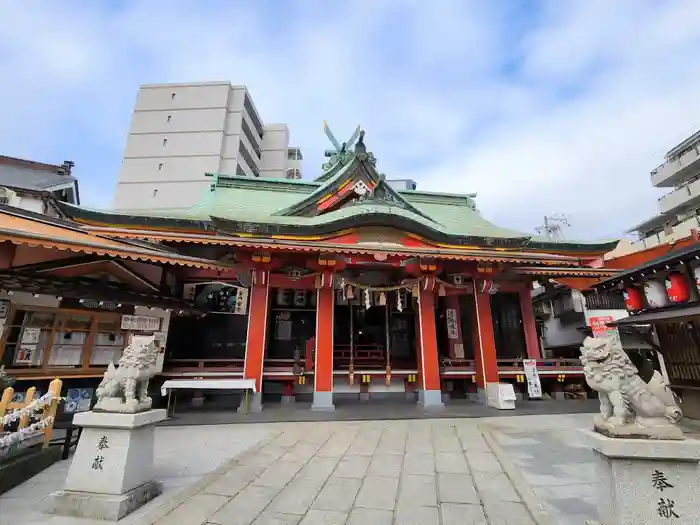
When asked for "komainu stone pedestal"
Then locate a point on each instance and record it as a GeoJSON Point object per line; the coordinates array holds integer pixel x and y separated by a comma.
{"type": "Point", "coordinates": [112, 471]}
{"type": "Point", "coordinates": [645, 481]}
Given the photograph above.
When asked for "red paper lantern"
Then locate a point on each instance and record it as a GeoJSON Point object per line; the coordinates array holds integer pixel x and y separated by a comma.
{"type": "Point", "coordinates": [633, 299]}
{"type": "Point", "coordinates": [677, 287]}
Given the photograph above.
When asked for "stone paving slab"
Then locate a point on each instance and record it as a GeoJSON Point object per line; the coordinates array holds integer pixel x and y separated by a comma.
{"type": "Point", "coordinates": [441, 471]}
{"type": "Point", "coordinates": [178, 464]}
{"type": "Point", "coordinates": [405, 472]}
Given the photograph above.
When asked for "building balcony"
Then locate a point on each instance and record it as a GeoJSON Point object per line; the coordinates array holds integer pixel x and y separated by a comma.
{"type": "Point", "coordinates": [684, 197]}
{"type": "Point", "coordinates": [677, 169]}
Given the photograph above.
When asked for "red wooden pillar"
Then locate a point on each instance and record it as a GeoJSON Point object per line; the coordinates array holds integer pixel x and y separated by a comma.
{"type": "Point", "coordinates": [257, 332]}
{"type": "Point", "coordinates": [456, 344]}
{"type": "Point", "coordinates": [430, 395]}
{"type": "Point", "coordinates": [323, 368]}
{"type": "Point", "coordinates": [532, 342]}
{"type": "Point", "coordinates": [419, 358]}
{"type": "Point", "coordinates": [485, 352]}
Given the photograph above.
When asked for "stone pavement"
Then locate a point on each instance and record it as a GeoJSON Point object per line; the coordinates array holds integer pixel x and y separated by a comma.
{"type": "Point", "coordinates": [382, 472]}
{"type": "Point", "coordinates": [552, 456]}
{"type": "Point", "coordinates": [430, 471]}
{"type": "Point", "coordinates": [183, 457]}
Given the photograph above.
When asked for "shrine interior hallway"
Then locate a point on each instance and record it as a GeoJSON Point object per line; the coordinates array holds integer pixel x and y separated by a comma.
{"type": "Point", "coordinates": [374, 410]}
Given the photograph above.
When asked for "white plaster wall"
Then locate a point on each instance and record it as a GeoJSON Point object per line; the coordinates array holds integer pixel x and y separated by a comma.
{"type": "Point", "coordinates": [198, 144]}
{"type": "Point", "coordinates": [173, 169]}
{"type": "Point", "coordinates": [161, 195]}
{"type": "Point", "coordinates": [182, 120]}
{"type": "Point", "coordinates": [187, 96]}
{"type": "Point", "coordinates": [560, 334]}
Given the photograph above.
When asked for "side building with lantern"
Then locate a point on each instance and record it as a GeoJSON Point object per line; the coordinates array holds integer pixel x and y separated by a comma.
{"type": "Point", "coordinates": [339, 286]}
{"type": "Point", "coordinates": [662, 298]}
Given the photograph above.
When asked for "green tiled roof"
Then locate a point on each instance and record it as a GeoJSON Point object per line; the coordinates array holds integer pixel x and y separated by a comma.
{"type": "Point", "coordinates": [278, 203]}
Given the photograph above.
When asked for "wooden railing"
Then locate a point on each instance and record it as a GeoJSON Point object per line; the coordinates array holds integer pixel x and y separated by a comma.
{"type": "Point", "coordinates": [49, 411]}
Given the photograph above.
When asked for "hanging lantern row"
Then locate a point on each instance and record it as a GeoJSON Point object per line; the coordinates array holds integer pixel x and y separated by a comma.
{"type": "Point", "coordinates": [674, 289]}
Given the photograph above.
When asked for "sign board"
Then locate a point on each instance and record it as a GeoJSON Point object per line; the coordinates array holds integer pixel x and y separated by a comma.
{"type": "Point", "coordinates": [4, 308]}
{"type": "Point", "coordinates": [451, 319]}
{"type": "Point", "coordinates": [140, 323]}
{"type": "Point", "coordinates": [600, 328]}
{"type": "Point", "coordinates": [78, 400]}
{"type": "Point", "coordinates": [25, 354]}
{"type": "Point", "coordinates": [30, 336]}
{"type": "Point", "coordinates": [534, 387]}
{"type": "Point", "coordinates": [240, 307]}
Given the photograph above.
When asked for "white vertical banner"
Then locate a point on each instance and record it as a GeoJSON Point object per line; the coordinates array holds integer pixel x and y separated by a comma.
{"type": "Point", "coordinates": [534, 388]}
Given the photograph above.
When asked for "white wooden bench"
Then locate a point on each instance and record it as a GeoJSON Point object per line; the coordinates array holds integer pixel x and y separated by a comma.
{"type": "Point", "coordinates": [245, 385]}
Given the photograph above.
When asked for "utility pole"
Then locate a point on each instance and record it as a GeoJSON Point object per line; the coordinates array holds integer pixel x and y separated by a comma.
{"type": "Point", "coordinates": [553, 227]}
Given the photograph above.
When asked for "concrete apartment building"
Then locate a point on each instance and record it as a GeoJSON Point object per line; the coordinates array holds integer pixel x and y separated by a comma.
{"type": "Point", "coordinates": [180, 132]}
{"type": "Point", "coordinates": [679, 210]}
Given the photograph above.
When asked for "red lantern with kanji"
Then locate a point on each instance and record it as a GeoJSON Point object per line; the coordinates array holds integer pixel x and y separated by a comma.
{"type": "Point", "coordinates": [633, 299]}
{"type": "Point", "coordinates": [677, 287]}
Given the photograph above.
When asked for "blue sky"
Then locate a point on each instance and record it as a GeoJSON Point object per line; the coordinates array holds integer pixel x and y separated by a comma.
{"type": "Point", "coordinates": [540, 107]}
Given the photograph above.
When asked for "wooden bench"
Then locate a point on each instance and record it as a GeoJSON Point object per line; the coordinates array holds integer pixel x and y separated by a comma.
{"type": "Point", "coordinates": [245, 385]}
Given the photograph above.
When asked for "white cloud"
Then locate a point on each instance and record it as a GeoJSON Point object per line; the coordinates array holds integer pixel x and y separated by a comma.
{"type": "Point", "coordinates": [565, 109]}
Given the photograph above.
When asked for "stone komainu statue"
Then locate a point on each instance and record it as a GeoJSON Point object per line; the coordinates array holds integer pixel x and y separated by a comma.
{"type": "Point", "coordinates": [125, 389]}
{"type": "Point", "coordinates": [629, 406]}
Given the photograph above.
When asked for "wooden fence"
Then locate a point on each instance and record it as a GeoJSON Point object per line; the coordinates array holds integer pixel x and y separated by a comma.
{"type": "Point", "coordinates": [48, 411]}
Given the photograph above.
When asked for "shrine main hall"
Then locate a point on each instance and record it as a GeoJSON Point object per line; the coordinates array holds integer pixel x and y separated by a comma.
{"type": "Point", "coordinates": [345, 285]}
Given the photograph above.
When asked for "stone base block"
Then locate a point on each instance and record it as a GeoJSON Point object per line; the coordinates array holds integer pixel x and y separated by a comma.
{"type": "Point", "coordinates": [108, 507]}
{"type": "Point", "coordinates": [518, 396]}
{"type": "Point", "coordinates": [446, 397]}
{"type": "Point", "coordinates": [252, 405]}
{"type": "Point", "coordinates": [646, 481]}
{"type": "Point", "coordinates": [288, 400]}
{"type": "Point", "coordinates": [323, 402]}
{"type": "Point", "coordinates": [430, 399]}
{"type": "Point", "coordinates": [656, 428]}
{"type": "Point", "coordinates": [197, 402]}
{"type": "Point", "coordinates": [115, 404]}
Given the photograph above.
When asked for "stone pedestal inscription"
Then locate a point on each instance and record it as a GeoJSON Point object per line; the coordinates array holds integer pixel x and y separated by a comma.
{"type": "Point", "coordinates": [112, 471]}
{"type": "Point", "coordinates": [653, 482]}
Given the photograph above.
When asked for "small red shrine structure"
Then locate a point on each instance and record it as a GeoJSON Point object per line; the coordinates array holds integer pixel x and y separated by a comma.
{"type": "Point", "coordinates": [336, 286]}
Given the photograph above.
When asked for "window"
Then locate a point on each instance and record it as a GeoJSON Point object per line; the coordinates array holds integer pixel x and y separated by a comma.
{"type": "Point", "coordinates": [109, 342]}
{"type": "Point", "coordinates": [160, 166]}
{"type": "Point", "coordinates": [251, 137]}
{"type": "Point", "coordinates": [62, 339]}
{"type": "Point", "coordinates": [168, 119]}
{"type": "Point", "coordinates": [248, 105]}
{"type": "Point", "coordinates": [70, 336]}
{"type": "Point", "coordinates": [248, 159]}
{"type": "Point", "coordinates": [165, 142]}
{"type": "Point", "coordinates": [4, 200]}
{"type": "Point", "coordinates": [28, 337]}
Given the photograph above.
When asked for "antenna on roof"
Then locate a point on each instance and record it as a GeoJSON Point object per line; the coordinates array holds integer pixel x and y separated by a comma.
{"type": "Point", "coordinates": [553, 227]}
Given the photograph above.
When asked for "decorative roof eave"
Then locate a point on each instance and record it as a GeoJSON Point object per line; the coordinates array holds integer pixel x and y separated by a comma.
{"type": "Point", "coordinates": [565, 272]}
{"type": "Point", "coordinates": [22, 227]}
{"type": "Point", "coordinates": [574, 248]}
{"type": "Point", "coordinates": [375, 218]}
{"type": "Point", "coordinates": [463, 255]}
{"type": "Point", "coordinates": [178, 260]}
{"type": "Point", "coordinates": [672, 258]}
{"type": "Point", "coordinates": [81, 287]}
{"type": "Point", "coordinates": [106, 218]}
